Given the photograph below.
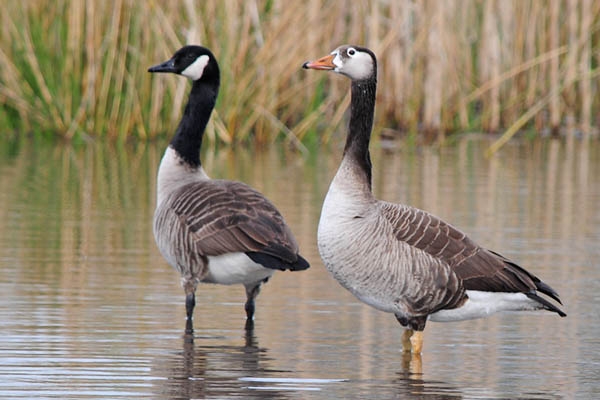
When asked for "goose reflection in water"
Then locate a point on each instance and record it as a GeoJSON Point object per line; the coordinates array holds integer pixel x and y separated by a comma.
{"type": "Point", "coordinates": [201, 370]}
{"type": "Point", "coordinates": [411, 382]}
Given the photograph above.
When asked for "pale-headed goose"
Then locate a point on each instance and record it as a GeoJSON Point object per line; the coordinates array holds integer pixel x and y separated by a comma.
{"type": "Point", "coordinates": [211, 230]}
{"type": "Point", "coordinates": [400, 259]}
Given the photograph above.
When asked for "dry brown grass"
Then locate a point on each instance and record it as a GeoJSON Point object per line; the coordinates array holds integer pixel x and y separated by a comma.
{"type": "Point", "coordinates": [78, 68]}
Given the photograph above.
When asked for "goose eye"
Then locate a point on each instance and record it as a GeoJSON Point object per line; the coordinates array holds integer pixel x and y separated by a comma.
{"type": "Point", "coordinates": [351, 52]}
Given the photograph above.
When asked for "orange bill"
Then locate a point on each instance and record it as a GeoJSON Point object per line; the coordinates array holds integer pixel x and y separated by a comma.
{"type": "Point", "coordinates": [324, 63]}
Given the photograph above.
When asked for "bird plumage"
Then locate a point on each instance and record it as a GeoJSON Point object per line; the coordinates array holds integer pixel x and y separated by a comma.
{"type": "Point", "coordinates": [213, 230]}
{"type": "Point", "coordinates": [398, 258]}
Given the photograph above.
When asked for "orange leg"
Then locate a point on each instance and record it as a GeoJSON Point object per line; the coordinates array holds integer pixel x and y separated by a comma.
{"type": "Point", "coordinates": [406, 341]}
{"type": "Point", "coordinates": [416, 340]}
{"type": "Point", "coordinates": [412, 341]}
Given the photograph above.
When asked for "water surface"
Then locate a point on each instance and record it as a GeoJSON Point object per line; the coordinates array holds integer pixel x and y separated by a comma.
{"type": "Point", "coordinates": [89, 309]}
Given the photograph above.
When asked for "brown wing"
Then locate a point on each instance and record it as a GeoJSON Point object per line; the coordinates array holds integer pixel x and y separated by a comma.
{"type": "Point", "coordinates": [226, 216]}
{"type": "Point", "coordinates": [476, 267]}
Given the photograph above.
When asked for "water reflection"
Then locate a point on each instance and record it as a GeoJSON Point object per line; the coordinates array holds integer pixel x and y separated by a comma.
{"type": "Point", "coordinates": [204, 370]}
{"type": "Point", "coordinates": [412, 384]}
{"type": "Point", "coordinates": [89, 308]}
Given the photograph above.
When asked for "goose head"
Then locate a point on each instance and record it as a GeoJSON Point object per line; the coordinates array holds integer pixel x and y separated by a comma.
{"type": "Point", "coordinates": [355, 62]}
{"type": "Point", "coordinates": [194, 62]}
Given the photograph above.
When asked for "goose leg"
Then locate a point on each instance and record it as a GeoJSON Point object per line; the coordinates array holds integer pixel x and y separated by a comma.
{"type": "Point", "coordinates": [189, 329]}
{"type": "Point", "coordinates": [252, 291]}
{"type": "Point", "coordinates": [189, 284]}
{"type": "Point", "coordinates": [412, 338]}
{"type": "Point", "coordinates": [190, 303]}
{"type": "Point", "coordinates": [416, 340]}
{"type": "Point", "coordinates": [406, 340]}
{"type": "Point", "coordinates": [412, 341]}
{"type": "Point", "coordinates": [412, 364]}
{"type": "Point", "coordinates": [249, 326]}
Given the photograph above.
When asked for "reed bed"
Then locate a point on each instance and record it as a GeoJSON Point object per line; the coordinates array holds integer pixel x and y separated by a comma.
{"type": "Point", "coordinates": [77, 69]}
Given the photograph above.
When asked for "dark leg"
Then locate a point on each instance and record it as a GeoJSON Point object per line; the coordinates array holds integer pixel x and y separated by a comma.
{"type": "Point", "coordinates": [190, 303]}
{"type": "Point", "coordinates": [189, 329]}
{"type": "Point", "coordinates": [251, 293]}
{"type": "Point", "coordinates": [249, 326]}
{"type": "Point", "coordinates": [251, 344]}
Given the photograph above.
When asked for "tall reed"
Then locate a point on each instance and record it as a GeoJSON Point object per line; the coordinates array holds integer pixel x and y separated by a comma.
{"type": "Point", "coordinates": [77, 69]}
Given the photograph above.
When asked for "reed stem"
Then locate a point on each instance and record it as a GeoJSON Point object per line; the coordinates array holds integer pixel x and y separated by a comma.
{"type": "Point", "coordinates": [78, 69]}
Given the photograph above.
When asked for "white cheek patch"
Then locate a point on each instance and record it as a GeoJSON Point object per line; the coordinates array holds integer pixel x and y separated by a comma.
{"type": "Point", "coordinates": [359, 67]}
{"type": "Point", "coordinates": [195, 70]}
{"type": "Point", "coordinates": [337, 60]}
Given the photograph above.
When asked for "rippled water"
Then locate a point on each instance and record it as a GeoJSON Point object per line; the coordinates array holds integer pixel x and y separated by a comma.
{"type": "Point", "coordinates": [89, 309]}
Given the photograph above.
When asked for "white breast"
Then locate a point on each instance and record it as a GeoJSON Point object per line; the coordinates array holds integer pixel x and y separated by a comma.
{"type": "Point", "coordinates": [339, 231]}
{"type": "Point", "coordinates": [350, 248]}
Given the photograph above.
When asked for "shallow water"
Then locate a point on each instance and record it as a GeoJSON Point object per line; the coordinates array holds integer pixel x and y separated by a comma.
{"type": "Point", "coordinates": [90, 310]}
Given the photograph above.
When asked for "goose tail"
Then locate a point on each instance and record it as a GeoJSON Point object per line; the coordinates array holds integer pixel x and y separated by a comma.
{"type": "Point", "coordinates": [272, 262]}
{"type": "Point", "coordinates": [545, 303]}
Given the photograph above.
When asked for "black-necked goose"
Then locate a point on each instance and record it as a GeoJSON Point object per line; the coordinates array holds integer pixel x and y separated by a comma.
{"type": "Point", "coordinates": [210, 230]}
{"type": "Point", "coordinates": [400, 259]}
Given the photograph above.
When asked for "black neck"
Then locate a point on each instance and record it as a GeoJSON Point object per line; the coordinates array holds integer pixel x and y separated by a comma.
{"type": "Point", "coordinates": [188, 137]}
{"type": "Point", "coordinates": [362, 109]}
